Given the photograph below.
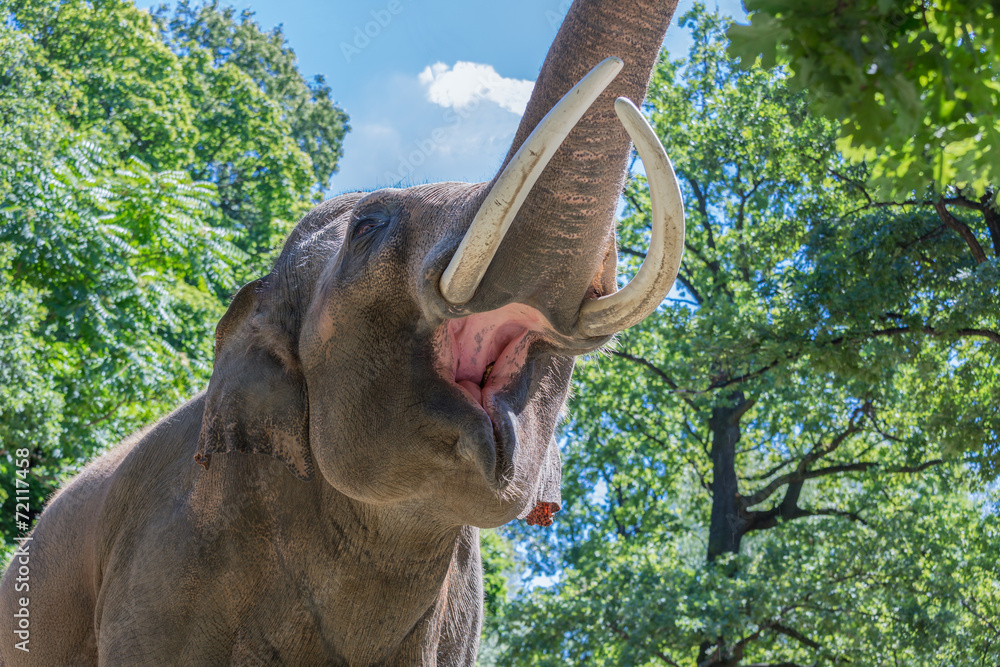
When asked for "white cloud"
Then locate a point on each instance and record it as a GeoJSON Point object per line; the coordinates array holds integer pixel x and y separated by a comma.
{"type": "Point", "coordinates": [467, 83]}
{"type": "Point", "coordinates": [444, 124]}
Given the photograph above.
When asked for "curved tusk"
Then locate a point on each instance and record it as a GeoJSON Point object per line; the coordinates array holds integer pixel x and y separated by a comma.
{"type": "Point", "coordinates": [480, 243]}
{"type": "Point", "coordinates": [647, 289]}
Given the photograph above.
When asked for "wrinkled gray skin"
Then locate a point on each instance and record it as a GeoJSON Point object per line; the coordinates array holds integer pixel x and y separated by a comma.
{"type": "Point", "coordinates": [344, 472]}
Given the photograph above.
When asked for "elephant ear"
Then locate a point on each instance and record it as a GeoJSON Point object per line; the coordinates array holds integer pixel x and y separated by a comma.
{"type": "Point", "coordinates": [256, 400]}
{"type": "Point", "coordinates": [548, 495]}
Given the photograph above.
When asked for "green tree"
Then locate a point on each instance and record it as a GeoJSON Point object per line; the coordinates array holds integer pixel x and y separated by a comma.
{"type": "Point", "coordinates": [913, 87]}
{"type": "Point", "coordinates": [775, 467]}
{"type": "Point", "coordinates": [498, 567]}
{"type": "Point", "coordinates": [107, 73]}
{"type": "Point", "coordinates": [269, 139]}
{"type": "Point", "coordinates": [913, 83]}
{"type": "Point", "coordinates": [317, 124]}
{"type": "Point", "coordinates": [112, 274]}
{"type": "Point", "coordinates": [199, 91]}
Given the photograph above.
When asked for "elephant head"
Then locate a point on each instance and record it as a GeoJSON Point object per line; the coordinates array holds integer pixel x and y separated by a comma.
{"type": "Point", "coordinates": [414, 347]}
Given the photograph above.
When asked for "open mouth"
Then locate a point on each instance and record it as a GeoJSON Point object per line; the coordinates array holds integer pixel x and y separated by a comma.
{"type": "Point", "coordinates": [484, 354]}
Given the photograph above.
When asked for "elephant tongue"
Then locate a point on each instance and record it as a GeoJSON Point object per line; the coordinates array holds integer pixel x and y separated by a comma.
{"type": "Point", "coordinates": [474, 391]}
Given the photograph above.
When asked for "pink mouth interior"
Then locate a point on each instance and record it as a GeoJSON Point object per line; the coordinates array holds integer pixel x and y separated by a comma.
{"type": "Point", "coordinates": [498, 338]}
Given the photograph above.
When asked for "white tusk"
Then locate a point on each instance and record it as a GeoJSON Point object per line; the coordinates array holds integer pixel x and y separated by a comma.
{"type": "Point", "coordinates": [647, 289]}
{"type": "Point", "coordinates": [480, 243]}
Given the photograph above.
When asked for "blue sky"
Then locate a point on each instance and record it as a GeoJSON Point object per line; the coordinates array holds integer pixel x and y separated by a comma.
{"type": "Point", "coordinates": [434, 89]}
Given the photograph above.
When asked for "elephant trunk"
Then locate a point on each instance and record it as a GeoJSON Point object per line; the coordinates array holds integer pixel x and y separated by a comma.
{"type": "Point", "coordinates": [560, 248]}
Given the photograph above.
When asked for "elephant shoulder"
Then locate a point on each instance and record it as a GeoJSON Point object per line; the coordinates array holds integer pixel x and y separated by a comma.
{"type": "Point", "coordinates": [61, 563]}
{"type": "Point", "coordinates": [148, 473]}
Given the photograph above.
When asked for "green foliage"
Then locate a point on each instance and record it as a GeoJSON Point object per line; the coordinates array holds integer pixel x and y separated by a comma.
{"type": "Point", "coordinates": [306, 107]}
{"type": "Point", "coordinates": [105, 69]}
{"type": "Point", "coordinates": [201, 91]}
{"type": "Point", "coordinates": [498, 561]}
{"type": "Point", "coordinates": [268, 139]}
{"type": "Point", "coordinates": [916, 585]}
{"type": "Point", "coordinates": [913, 84]}
{"type": "Point", "coordinates": [498, 566]}
{"type": "Point", "coordinates": [116, 269]}
{"type": "Point", "coordinates": [775, 468]}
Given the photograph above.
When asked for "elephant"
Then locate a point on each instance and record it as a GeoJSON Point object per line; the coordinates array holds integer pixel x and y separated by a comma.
{"type": "Point", "coordinates": [392, 386]}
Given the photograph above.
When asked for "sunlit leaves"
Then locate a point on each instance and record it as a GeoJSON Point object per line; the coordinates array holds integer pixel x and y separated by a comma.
{"type": "Point", "coordinates": [114, 255]}
{"type": "Point", "coordinates": [106, 69]}
{"type": "Point", "coordinates": [269, 139]}
{"type": "Point", "coordinates": [912, 83]}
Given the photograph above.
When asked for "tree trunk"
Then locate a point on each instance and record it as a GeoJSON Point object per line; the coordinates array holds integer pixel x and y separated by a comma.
{"type": "Point", "coordinates": [728, 523]}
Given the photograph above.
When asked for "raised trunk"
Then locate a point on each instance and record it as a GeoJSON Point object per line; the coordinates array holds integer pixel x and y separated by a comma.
{"type": "Point", "coordinates": [561, 247]}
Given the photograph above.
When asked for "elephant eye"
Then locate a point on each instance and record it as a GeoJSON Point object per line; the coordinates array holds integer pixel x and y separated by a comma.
{"type": "Point", "coordinates": [365, 226]}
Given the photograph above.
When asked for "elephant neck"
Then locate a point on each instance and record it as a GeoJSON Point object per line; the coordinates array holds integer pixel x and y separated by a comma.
{"type": "Point", "coordinates": [383, 581]}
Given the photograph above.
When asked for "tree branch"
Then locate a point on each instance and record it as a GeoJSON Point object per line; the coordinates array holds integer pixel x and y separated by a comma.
{"type": "Point", "coordinates": [984, 206]}
{"type": "Point", "coordinates": [648, 364]}
{"type": "Point", "coordinates": [702, 207]}
{"type": "Point", "coordinates": [764, 475]}
{"type": "Point", "coordinates": [685, 280]}
{"type": "Point", "coordinates": [923, 237]}
{"type": "Point", "coordinates": [740, 222]}
{"type": "Point", "coordinates": [982, 619]}
{"type": "Point", "coordinates": [950, 201]}
{"type": "Point", "coordinates": [911, 469]}
{"type": "Point", "coordinates": [696, 251]}
{"type": "Point", "coordinates": [656, 370]}
{"type": "Point", "coordinates": [688, 284]}
{"type": "Point", "coordinates": [788, 510]}
{"type": "Point", "coordinates": [107, 414]}
{"type": "Point", "coordinates": [769, 519]}
{"type": "Point", "coordinates": [624, 635]}
{"type": "Point", "coordinates": [831, 511]}
{"type": "Point", "coordinates": [802, 471]}
{"type": "Point", "coordinates": [795, 634]}
{"type": "Point", "coordinates": [962, 229]}
{"type": "Point", "coordinates": [722, 384]}
{"type": "Point", "coordinates": [742, 409]}
{"type": "Point", "coordinates": [858, 184]}
{"type": "Point", "coordinates": [931, 331]}
{"type": "Point", "coordinates": [963, 202]}
{"type": "Point", "coordinates": [619, 528]}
